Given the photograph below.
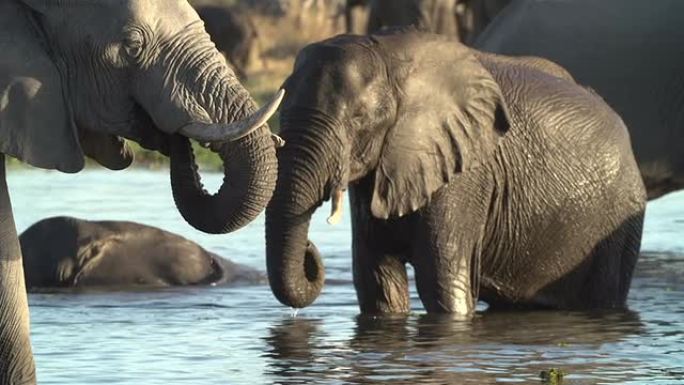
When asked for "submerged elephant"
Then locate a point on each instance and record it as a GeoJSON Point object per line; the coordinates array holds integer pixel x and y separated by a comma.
{"type": "Point", "coordinates": [234, 33]}
{"type": "Point", "coordinates": [490, 175]}
{"type": "Point", "coordinates": [72, 252]}
{"type": "Point", "coordinates": [437, 16]}
{"type": "Point", "coordinates": [78, 76]}
{"type": "Point", "coordinates": [629, 51]}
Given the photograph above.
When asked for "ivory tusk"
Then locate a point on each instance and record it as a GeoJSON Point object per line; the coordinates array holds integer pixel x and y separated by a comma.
{"type": "Point", "coordinates": [336, 209]}
{"type": "Point", "coordinates": [218, 132]}
{"type": "Point", "coordinates": [278, 141]}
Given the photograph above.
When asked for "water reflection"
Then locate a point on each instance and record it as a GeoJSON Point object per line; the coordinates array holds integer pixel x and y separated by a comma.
{"type": "Point", "coordinates": [242, 335]}
{"type": "Point", "coordinates": [441, 349]}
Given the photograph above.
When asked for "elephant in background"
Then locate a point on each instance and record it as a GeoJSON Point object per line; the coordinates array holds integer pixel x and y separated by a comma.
{"type": "Point", "coordinates": [234, 33]}
{"type": "Point", "coordinates": [353, 11]}
{"type": "Point", "coordinates": [76, 77]}
{"type": "Point", "coordinates": [628, 51]}
{"type": "Point", "coordinates": [497, 178]}
{"type": "Point", "coordinates": [69, 252]}
{"type": "Point", "coordinates": [438, 16]}
{"type": "Point", "coordinates": [475, 15]}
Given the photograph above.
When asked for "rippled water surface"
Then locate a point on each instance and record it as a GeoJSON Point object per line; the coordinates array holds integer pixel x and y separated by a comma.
{"type": "Point", "coordinates": [242, 335]}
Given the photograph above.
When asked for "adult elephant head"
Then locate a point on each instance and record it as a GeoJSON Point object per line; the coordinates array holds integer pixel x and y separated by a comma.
{"type": "Point", "coordinates": [76, 76]}
{"type": "Point", "coordinates": [364, 107]}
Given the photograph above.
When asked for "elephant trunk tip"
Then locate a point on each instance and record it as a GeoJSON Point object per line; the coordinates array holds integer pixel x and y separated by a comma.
{"type": "Point", "coordinates": [303, 292]}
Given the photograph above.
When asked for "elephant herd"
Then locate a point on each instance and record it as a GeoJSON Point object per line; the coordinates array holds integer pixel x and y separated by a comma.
{"type": "Point", "coordinates": [520, 180]}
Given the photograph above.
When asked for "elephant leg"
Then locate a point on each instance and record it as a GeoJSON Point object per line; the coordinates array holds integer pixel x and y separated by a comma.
{"type": "Point", "coordinates": [448, 247]}
{"type": "Point", "coordinates": [381, 282]}
{"type": "Point", "coordinates": [379, 269]}
{"type": "Point", "coordinates": [16, 359]}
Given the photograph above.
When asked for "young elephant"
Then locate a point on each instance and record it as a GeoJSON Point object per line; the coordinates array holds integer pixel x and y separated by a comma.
{"type": "Point", "coordinates": [72, 252]}
{"type": "Point", "coordinates": [496, 178]}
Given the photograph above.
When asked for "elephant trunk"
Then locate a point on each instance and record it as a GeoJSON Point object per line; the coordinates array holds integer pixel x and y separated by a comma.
{"type": "Point", "coordinates": [295, 269]}
{"type": "Point", "coordinates": [249, 180]}
{"type": "Point", "coordinates": [250, 166]}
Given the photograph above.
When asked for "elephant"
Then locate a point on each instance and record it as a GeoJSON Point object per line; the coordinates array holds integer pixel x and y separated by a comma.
{"type": "Point", "coordinates": [67, 252]}
{"type": "Point", "coordinates": [497, 178]}
{"type": "Point", "coordinates": [234, 33]}
{"type": "Point", "coordinates": [77, 77]}
{"type": "Point", "coordinates": [352, 11]}
{"type": "Point", "coordinates": [628, 51]}
{"type": "Point", "coordinates": [475, 16]}
{"type": "Point", "coordinates": [437, 16]}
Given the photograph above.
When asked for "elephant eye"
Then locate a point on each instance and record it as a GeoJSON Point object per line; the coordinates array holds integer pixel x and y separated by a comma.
{"type": "Point", "coordinates": [133, 43]}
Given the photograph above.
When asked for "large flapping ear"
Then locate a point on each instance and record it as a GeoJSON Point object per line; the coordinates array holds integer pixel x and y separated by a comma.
{"type": "Point", "coordinates": [450, 118]}
{"type": "Point", "coordinates": [36, 125]}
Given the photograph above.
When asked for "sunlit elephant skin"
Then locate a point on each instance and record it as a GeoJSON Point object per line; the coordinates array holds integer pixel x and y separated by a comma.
{"type": "Point", "coordinates": [497, 178]}
{"type": "Point", "coordinates": [76, 77]}
{"type": "Point", "coordinates": [438, 16]}
{"type": "Point", "coordinates": [629, 51]}
{"type": "Point", "coordinates": [65, 252]}
{"type": "Point", "coordinates": [234, 33]}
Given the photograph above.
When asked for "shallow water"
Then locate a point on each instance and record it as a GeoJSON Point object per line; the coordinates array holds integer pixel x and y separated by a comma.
{"type": "Point", "coordinates": [242, 335]}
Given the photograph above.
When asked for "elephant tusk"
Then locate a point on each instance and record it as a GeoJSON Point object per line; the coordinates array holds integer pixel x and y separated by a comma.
{"type": "Point", "coordinates": [278, 141]}
{"type": "Point", "coordinates": [218, 132]}
{"type": "Point", "coordinates": [336, 209]}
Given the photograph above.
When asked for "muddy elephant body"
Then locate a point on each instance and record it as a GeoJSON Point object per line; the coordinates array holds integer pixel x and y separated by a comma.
{"type": "Point", "coordinates": [66, 252]}
{"type": "Point", "coordinates": [496, 178]}
{"type": "Point", "coordinates": [79, 77]}
{"type": "Point", "coordinates": [234, 33]}
{"type": "Point", "coordinates": [630, 52]}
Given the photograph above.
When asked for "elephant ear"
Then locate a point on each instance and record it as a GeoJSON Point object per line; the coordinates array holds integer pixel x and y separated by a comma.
{"type": "Point", "coordinates": [450, 120]}
{"type": "Point", "coordinates": [35, 123]}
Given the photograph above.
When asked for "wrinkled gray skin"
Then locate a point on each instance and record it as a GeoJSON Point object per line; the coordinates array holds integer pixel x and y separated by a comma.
{"type": "Point", "coordinates": [629, 51]}
{"type": "Point", "coordinates": [77, 76]}
{"type": "Point", "coordinates": [438, 16]}
{"type": "Point", "coordinates": [488, 174]}
{"type": "Point", "coordinates": [233, 32]}
{"type": "Point", "coordinates": [66, 252]}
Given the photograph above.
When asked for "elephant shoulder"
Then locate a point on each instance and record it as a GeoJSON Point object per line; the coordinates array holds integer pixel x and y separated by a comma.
{"type": "Point", "coordinates": [543, 96]}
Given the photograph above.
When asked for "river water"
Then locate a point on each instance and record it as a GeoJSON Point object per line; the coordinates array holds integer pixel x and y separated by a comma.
{"type": "Point", "coordinates": [242, 335]}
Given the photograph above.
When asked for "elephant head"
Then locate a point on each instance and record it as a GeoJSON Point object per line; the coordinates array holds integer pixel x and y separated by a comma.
{"type": "Point", "coordinates": [406, 112]}
{"type": "Point", "coordinates": [78, 76]}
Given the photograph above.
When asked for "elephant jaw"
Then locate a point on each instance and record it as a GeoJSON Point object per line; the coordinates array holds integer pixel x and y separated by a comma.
{"type": "Point", "coordinates": [223, 132]}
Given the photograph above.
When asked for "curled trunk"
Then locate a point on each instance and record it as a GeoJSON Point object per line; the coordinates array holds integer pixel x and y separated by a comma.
{"type": "Point", "coordinates": [249, 179]}
{"type": "Point", "coordinates": [295, 269]}
{"type": "Point", "coordinates": [250, 165]}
